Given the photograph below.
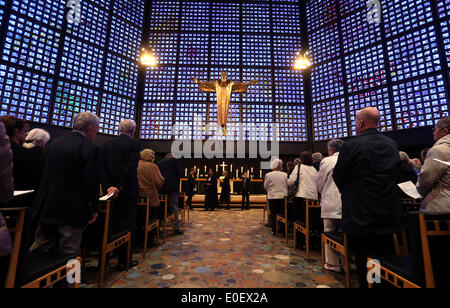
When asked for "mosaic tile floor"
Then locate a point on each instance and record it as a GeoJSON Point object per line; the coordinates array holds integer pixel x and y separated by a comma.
{"type": "Point", "coordinates": [224, 249]}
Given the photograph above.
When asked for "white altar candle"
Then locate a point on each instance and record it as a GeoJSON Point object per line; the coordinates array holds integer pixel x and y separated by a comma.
{"type": "Point", "coordinates": [185, 172]}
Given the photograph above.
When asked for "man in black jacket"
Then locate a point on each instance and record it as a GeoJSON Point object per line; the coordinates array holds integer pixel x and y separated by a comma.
{"type": "Point", "coordinates": [226, 190]}
{"type": "Point", "coordinates": [211, 200]}
{"type": "Point", "coordinates": [192, 187]}
{"type": "Point", "coordinates": [120, 159]}
{"type": "Point", "coordinates": [246, 183]}
{"type": "Point", "coordinates": [366, 174]}
{"type": "Point", "coordinates": [171, 171]}
{"type": "Point", "coordinates": [67, 199]}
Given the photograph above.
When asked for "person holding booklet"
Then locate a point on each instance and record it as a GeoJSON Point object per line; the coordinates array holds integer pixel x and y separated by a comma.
{"type": "Point", "coordinates": [67, 199]}
{"type": "Point", "coordinates": [434, 178]}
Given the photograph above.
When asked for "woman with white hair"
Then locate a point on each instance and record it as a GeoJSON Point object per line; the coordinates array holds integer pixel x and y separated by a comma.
{"type": "Point", "coordinates": [37, 138]}
{"type": "Point", "coordinates": [276, 185]}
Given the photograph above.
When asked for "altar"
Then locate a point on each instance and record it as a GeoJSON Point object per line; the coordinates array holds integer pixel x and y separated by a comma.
{"type": "Point", "coordinates": [256, 187]}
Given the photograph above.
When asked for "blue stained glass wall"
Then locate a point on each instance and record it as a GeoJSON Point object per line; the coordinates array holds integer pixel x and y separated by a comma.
{"type": "Point", "coordinates": [251, 41]}
{"type": "Point", "coordinates": [396, 65]}
{"type": "Point", "coordinates": [52, 68]}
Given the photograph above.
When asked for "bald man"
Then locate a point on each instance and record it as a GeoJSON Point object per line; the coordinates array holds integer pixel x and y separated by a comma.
{"type": "Point", "coordinates": [366, 174]}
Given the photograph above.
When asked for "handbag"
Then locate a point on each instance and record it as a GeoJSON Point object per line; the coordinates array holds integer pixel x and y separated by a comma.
{"type": "Point", "coordinates": [294, 188]}
{"type": "Point", "coordinates": [5, 238]}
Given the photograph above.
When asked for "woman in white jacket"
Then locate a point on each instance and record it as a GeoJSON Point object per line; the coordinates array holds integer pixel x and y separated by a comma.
{"type": "Point", "coordinates": [276, 185]}
{"type": "Point", "coordinates": [331, 204]}
{"type": "Point", "coordinates": [307, 188]}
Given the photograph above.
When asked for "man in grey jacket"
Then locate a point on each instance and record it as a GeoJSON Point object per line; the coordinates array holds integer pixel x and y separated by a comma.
{"type": "Point", "coordinates": [6, 167]}
{"type": "Point", "coordinates": [434, 179]}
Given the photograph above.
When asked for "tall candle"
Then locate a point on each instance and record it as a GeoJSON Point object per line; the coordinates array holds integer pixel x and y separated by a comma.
{"type": "Point", "coordinates": [205, 169]}
{"type": "Point", "coordinates": [237, 173]}
{"type": "Point", "coordinates": [217, 168]}
{"type": "Point", "coordinates": [185, 172]}
{"type": "Point", "coordinates": [231, 168]}
{"type": "Point", "coordinates": [260, 174]}
{"type": "Point", "coordinates": [242, 169]}
{"type": "Point", "coordinates": [198, 173]}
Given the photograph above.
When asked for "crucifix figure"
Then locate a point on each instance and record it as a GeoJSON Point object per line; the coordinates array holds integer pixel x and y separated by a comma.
{"type": "Point", "coordinates": [223, 88]}
{"type": "Point", "coordinates": [223, 166]}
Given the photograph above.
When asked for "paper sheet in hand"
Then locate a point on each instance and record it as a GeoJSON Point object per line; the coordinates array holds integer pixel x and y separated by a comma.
{"type": "Point", "coordinates": [410, 189]}
{"type": "Point", "coordinates": [22, 192]}
{"type": "Point", "coordinates": [442, 162]}
{"type": "Point", "coordinates": [107, 197]}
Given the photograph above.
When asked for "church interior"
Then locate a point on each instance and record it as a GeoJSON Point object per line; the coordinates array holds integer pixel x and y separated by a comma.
{"type": "Point", "coordinates": [230, 113]}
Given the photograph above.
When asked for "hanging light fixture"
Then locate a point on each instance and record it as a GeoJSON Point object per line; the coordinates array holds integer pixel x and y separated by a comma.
{"type": "Point", "coordinates": [302, 63]}
{"type": "Point", "coordinates": [147, 58]}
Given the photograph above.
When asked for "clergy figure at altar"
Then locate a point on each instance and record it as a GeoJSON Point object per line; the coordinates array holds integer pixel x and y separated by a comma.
{"type": "Point", "coordinates": [223, 88]}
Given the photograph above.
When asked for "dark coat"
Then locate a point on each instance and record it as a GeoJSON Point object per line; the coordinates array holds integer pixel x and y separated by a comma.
{"type": "Point", "coordinates": [69, 189]}
{"type": "Point", "coordinates": [316, 165]}
{"type": "Point", "coordinates": [367, 176]}
{"type": "Point", "coordinates": [120, 159]}
{"type": "Point", "coordinates": [6, 167]}
{"type": "Point", "coordinates": [211, 200]}
{"type": "Point", "coordinates": [192, 183]}
{"type": "Point", "coordinates": [246, 185]}
{"type": "Point", "coordinates": [407, 173]}
{"type": "Point", "coordinates": [226, 190]}
{"type": "Point", "coordinates": [27, 167]}
{"type": "Point", "coordinates": [171, 171]}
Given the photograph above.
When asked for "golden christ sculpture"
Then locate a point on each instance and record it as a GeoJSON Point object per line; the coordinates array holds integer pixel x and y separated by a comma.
{"type": "Point", "coordinates": [223, 88]}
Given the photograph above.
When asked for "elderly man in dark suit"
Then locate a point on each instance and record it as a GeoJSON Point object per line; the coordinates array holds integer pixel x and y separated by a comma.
{"type": "Point", "coordinates": [367, 175]}
{"type": "Point", "coordinates": [120, 159]}
{"type": "Point", "coordinates": [171, 171]}
{"type": "Point", "coordinates": [67, 199]}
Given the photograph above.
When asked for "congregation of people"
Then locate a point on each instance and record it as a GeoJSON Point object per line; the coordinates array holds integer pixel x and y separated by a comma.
{"type": "Point", "coordinates": [357, 185]}
{"type": "Point", "coordinates": [67, 175]}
